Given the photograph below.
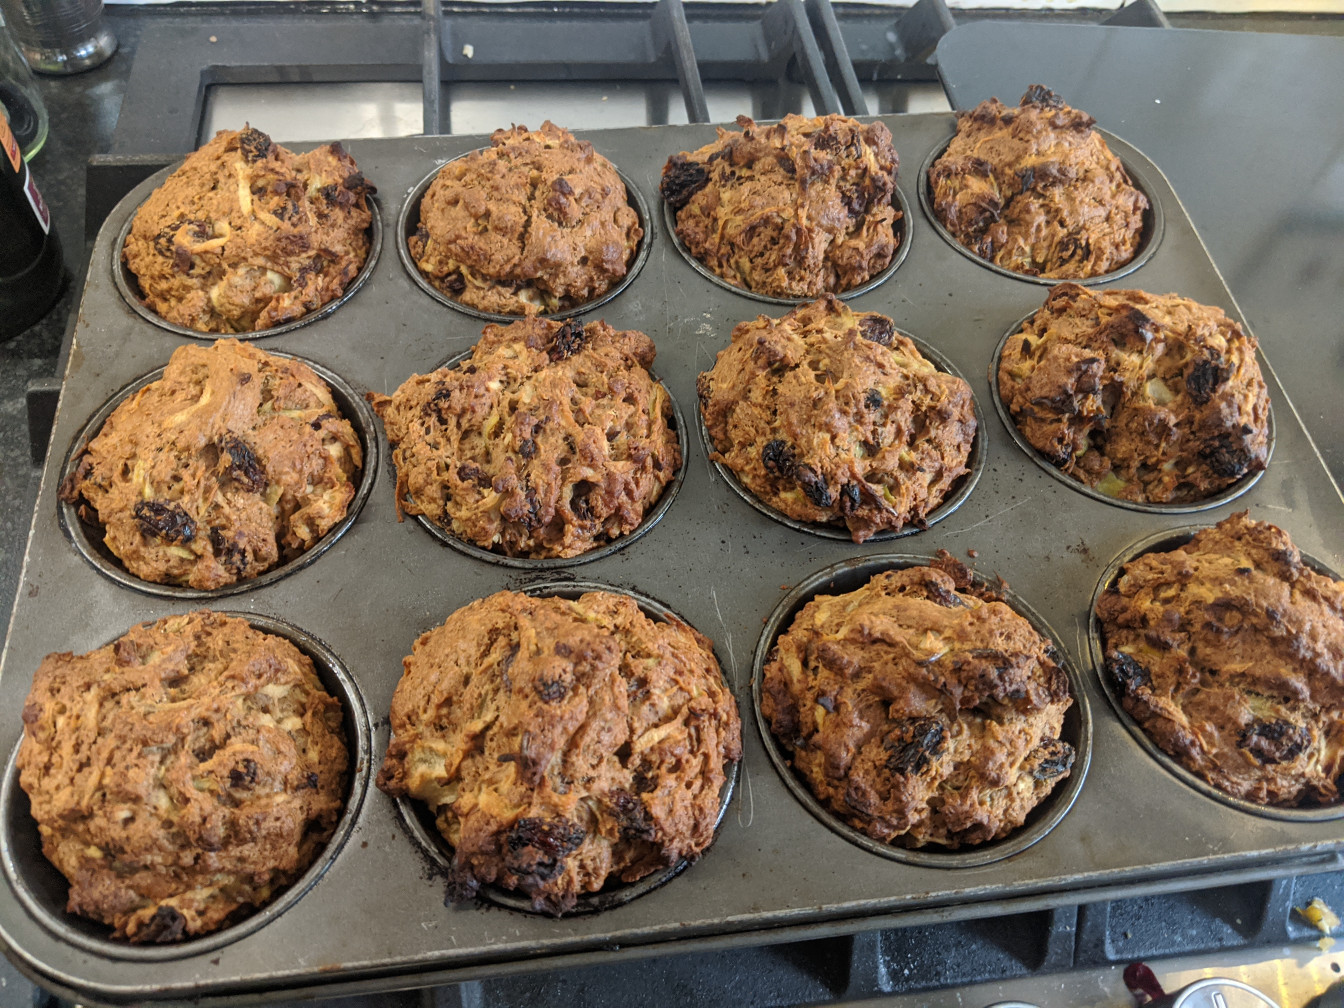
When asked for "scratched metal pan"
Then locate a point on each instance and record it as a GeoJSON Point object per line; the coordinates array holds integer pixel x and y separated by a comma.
{"type": "Point", "coordinates": [775, 871]}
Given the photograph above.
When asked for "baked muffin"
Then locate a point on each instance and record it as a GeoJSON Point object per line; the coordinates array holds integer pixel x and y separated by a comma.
{"type": "Point", "coordinates": [562, 744]}
{"type": "Point", "coordinates": [550, 439]}
{"type": "Point", "coordinates": [793, 210]}
{"type": "Point", "coordinates": [920, 709]}
{"type": "Point", "coordinates": [182, 775]}
{"type": "Point", "coordinates": [232, 462]}
{"type": "Point", "coordinates": [247, 235]}
{"type": "Point", "coordinates": [1144, 397]}
{"type": "Point", "coordinates": [1227, 651]}
{"type": "Point", "coordinates": [1035, 189]}
{"type": "Point", "coordinates": [538, 221]}
{"type": "Point", "coordinates": [830, 415]}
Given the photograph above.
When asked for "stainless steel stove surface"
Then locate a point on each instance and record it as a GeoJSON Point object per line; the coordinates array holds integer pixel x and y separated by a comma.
{"type": "Point", "coordinates": [1068, 952]}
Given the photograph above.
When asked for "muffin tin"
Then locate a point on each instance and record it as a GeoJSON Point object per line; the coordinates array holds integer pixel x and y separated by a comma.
{"type": "Point", "coordinates": [775, 871]}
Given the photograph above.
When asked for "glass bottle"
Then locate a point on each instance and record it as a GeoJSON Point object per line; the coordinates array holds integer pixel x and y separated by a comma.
{"type": "Point", "coordinates": [31, 270]}
{"type": "Point", "coordinates": [19, 96]}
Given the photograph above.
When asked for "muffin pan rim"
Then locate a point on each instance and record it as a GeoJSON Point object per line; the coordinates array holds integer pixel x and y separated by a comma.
{"type": "Point", "coordinates": [410, 207]}
{"type": "Point", "coordinates": [1167, 540]}
{"type": "Point", "coordinates": [84, 539]}
{"type": "Point", "coordinates": [126, 282]}
{"type": "Point", "coordinates": [416, 820]}
{"type": "Point", "coordinates": [1225, 496]}
{"type": "Point", "coordinates": [961, 489]}
{"type": "Point", "coordinates": [75, 929]}
{"type": "Point", "coordinates": [1077, 730]}
{"type": "Point", "coordinates": [1150, 237]}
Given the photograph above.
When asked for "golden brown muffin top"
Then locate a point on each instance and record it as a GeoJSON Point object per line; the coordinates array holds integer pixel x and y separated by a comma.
{"type": "Point", "coordinates": [920, 708]}
{"type": "Point", "coordinates": [538, 221]}
{"type": "Point", "coordinates": [247, 235]}
{"type": "Point", "coordinates": [562, 743]}
{"type": "Point", "coordinates": [232, 461]}
{"type": "Point", "coordinates": [1035, 189]}
{"type": "Point", "coordinates": [1228, 652]}
{"type": "Point", "coordinates": [182, 774]}
{"type": "Point", "coordinates": [551, 438]}
{"type": "Point", "coordinates": [799, 208]}
{"type": "Point", "coordinates": [1145, 397]}
{"type": "Point", "coordinates": [828, 414]}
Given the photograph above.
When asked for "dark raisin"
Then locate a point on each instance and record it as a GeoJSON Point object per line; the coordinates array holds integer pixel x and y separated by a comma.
{"type": "Point", "coordinates": [1203, 380]}
{"type": "Point", "coordinates": [827, 703]}
{"type": "Point", "coordinates": [850, 498]}
{"type": "Point", "coordinates": [562, 186]}
{"type": "Point", "coordinates": [632, 816]}
{"type": "Point", "coordinates": [330, 193]}
{"type": "Point", "coordinates": [872, 399]}
{"type": "Point", "coordinates": [231, 555]}
{"type": "Point", "coordinates": [165, 520]}
{"type": "Point", "coordinates": [243, 467]}
{"type": "Point", "coordinates": [357, 183]}
{"type": "Point", "coordinates": [682, 179]}
{"type": "Point", "coordinates": [913, 744]}
{"type": "Point", "coordinates": [253, 144]}
{"type": "Point", "coordinates": [552, 690]}
{"type": "Point", "coordinates": [540, 845]}
{"type": "Point", "coordinates": [643, 781]}
{"type": "Point", "coordinates": [580, 502]}
{"type": "Point", "coordinates": [181, 259]}
{"type": "Point", "coordinates": [1226, 456]}
{"type": "Point", "coordinates": [1128, 674]}
{"type": "Point", "coordinates": [467, 472]}
{"type": "Point", "coordinates": [940, 594]}
{"type": "Point", "coordinates": [1274, 741]}
{"type": "Point", "coordinates": [1039, 94]}
{"type": "Point", "coordinates": [877, 328]}
{"type": "Point", "coordinates": [1026, 176]}
{"type": "Point", "coordinates": [454, 283]}
{"type": "Point", "coordinates": [167, 925]}
{"type": "Point", "coordinates": [311, 781]}
{"type": "Point", "coordinates": [244, 775]}
{"type": "Point", "coordinates": [779, 459]}
{"type": "Point", "coordinates": [813, 485]}
{"type": "Point", "coordinates": [1056, 759]}
{"type": "Point", "coordinates": [568, 341]}
{"type": "Point", "coordinates": [527, 448]}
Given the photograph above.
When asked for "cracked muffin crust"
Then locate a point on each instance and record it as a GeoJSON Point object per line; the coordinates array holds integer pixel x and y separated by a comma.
{"type": "Point", "coordinates": [562, 743]}
{"type": "Point", "coordinates": [234, 461]}
{"type": "Point", "coordinates": [550, 439]}
{"type": "Point", "coordinates": [831, 415]}
{"type": "Point", "coordinates": [248, 235]}
{"type": "Point", "coordinates": [1227, 651]}
{"type": "Point", "coordinates": [1151, 398]}
{"type": "Point", "coordinates": [797, 209]}
{"type": "Point", "coordinates": [183, 774]}
{"type": "Point", "coordinates": [538, 221]}
{"type": "Point", "coordinates": [920, 708]}
{"type": "Point", "coordinates": [1035, 189]}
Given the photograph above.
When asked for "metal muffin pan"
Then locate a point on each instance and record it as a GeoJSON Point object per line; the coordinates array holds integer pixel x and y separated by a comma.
{"type": "Point", "coordinates": [420, 822]}
{"type": "Point", "coordinates": [775, 872]}
{"type": "Point", "coordinates": [1149, 237]}
{"type": "Point", "coordinates": [129, 287]}
{"type": "Point", "coordinates": [651, 516]}
{"type": "Point", "coordinates": [850, 575]}
{"type": "Point", "coordinates": [901, 227]}
{"type": "Point", "coordinates": [408, 221]}
{"type": "Point", "coordinates": [42, 889]}
{"type": "Point", "coordinates": [961, 489]}
{"type": "Point", "coordinates": [1164, 542]}
{"type": "Point", "coordinates": [87, 538]}
{"type": "Point", "coordinates": [1228, 494]}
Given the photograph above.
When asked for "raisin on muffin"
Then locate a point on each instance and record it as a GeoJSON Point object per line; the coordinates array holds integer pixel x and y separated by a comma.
{"type": "Point", "coordinates": [796, 209]}
{"type": "Point", "coordinates": [247, 235]}
{"type": "Point", "coordinates": [831, 415]}
{"type": "Point", "coordinates": [562, 744]}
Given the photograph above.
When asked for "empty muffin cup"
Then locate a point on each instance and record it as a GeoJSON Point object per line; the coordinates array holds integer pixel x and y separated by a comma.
{"type": "Point", "coordinates": [42, 890]}
{"type": "Point", "coordinates": [850, 575]}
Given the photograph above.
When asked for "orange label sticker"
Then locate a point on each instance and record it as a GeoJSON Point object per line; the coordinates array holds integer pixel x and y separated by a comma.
{"type": "Point", "coordinates": [8, 142]}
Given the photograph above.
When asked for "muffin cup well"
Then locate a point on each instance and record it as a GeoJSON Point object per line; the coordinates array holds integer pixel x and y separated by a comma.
{"type": "Point", "coordinates": [129, 287]}
{"type": "Point", "coordinates": [420, 823]}
{"type": "Point", "coordinates": [42, 890]}
{"type": "Point", "coordinates": [651, 517]}
{"type": "Point", "coordinates": [1149, 237]}
{"type": "Point", "coordinates": [975, 463]}
{"type": "Point", "coordinates": [1232, 492]}
{"type": "Point", "coordinates": [87, 537]}
{"type": "Point", "coordinates": [850, 575]}
{"type": "Point", "coordinates": [901, 228]}
{"type": "Point", "coordinates": [409, 218]}
{"type": "Point", "coordinates": [1162, 542]}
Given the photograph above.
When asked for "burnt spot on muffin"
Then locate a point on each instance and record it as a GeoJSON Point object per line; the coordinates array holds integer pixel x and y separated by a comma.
{"type": "Point", "coordinates": [1276, 741]}
{"type": "Point", "coordinates": [538, 846]}
{"type": "Point", "coordinates": [877, 328]}
{"type": "Point", "coordinates": [1228, 456]}
{"type": "Point", "coordinates": [1054, 758]}
{"type": "Point", "coordinates": [1127, 673]}
{"type": "Point", "coordinates": [165, 520]}
{"type": "Point", "coordinates": [913, 744]}
{"type": "Point", "coordinates": [243, 467]}
{"type": "Point", "coordinates": [253, 145]}
{"type": "Point", "coordinates": [167, 925]}
{"type": "Point", "coordinates": [682, 179]}
{"type": "Point", "coordinates": [632, 817]}
{"type": "Point", "coordinates": [568, 340]}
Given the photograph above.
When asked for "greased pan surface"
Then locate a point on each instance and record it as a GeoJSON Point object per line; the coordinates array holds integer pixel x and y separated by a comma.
{"type": "Point", "coordinates": [714, 560]}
